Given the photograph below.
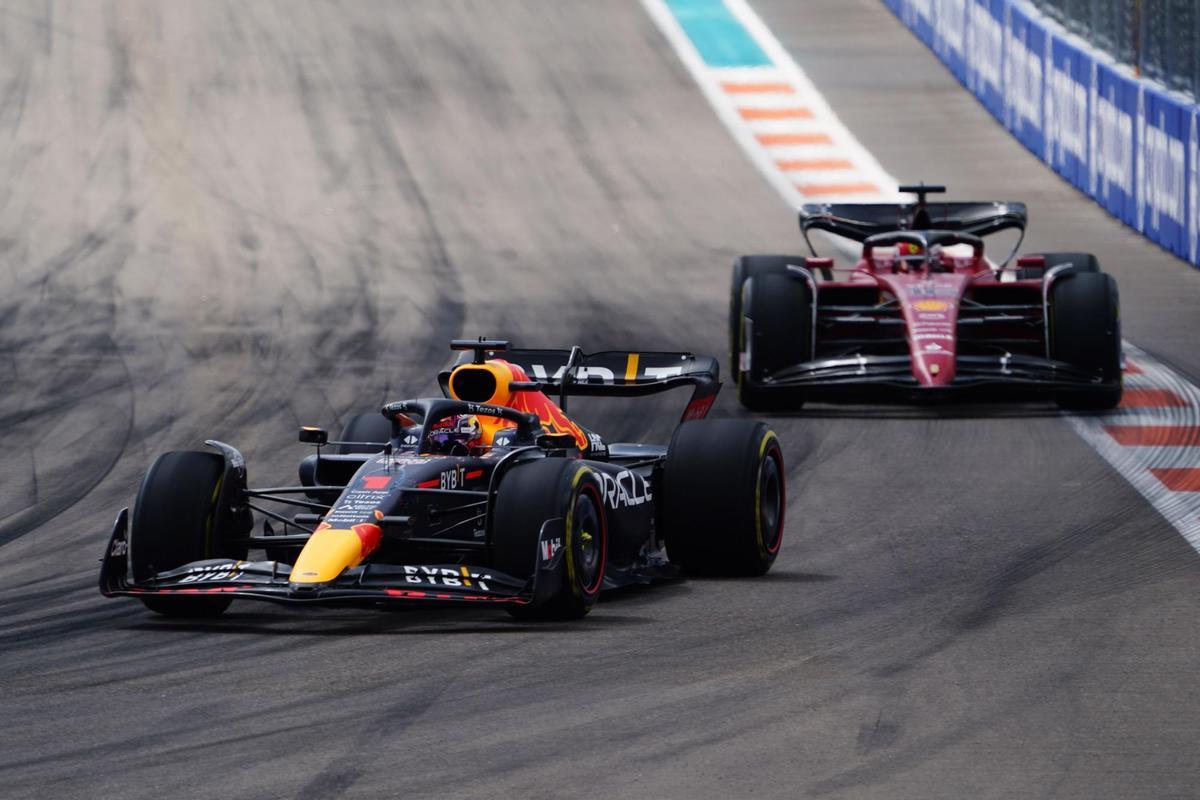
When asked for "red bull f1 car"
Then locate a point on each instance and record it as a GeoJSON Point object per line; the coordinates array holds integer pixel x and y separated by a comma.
{"type": "Point", "coordinates": [491, 494]}
{"type": "Point", "coordinates": [923, 313]}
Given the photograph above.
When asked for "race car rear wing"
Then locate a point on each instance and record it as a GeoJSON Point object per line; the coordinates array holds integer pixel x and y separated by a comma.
{"type": "Point", "coordinates": [611, 373]}
{"type": "Point", "coordinates": [858, 221]}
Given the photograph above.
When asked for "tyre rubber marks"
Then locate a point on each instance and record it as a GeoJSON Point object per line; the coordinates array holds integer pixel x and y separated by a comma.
{"type": "Point", "coordinates": [768, 103]}
{"type": "Point", "coordinates": [1153, 439]}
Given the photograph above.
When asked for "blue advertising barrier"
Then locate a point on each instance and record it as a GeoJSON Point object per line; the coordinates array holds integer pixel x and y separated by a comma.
{"type": "Point", "coordinates": [1024, 95]}
{"type": "Point", "coordinates": [1114, 156]}
{"type": "Point", "coordinates": [1162, 164]}
{"type": "Point", "coordinates": [950, 35]}
{"type": "Point", "coordinates": [985, 46]}
{"type": "Point", "coordinates": [1128, 143]}
{"type": "Point", "coordinates": [1068, 94]}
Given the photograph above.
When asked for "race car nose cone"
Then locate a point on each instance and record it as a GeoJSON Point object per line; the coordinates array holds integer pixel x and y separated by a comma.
{"type": "Point", "coordinates": [330, 551]}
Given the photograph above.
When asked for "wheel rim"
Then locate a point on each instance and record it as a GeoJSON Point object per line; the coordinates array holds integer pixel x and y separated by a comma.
{"type": "Point", "coordinates": [587, 540]}
{"type": "Point", "coordinates": [770, 502]}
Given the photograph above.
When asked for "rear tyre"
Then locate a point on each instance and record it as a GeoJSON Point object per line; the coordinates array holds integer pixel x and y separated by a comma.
{"type": "Point", "coordinates": [1085, 331]}
{"type": "Point", "coordinates": [1080, 262]}
{"type": "Point", "coordinates": [366, 427]}
{"type": "Point", "coordinates": [529, 496]}
{"type": "Point", "coordinates": [724, 497]}
{"type": "Point", "coordinates": [177, 520]}
{"type": "Point", "coordinates": [777, 322]}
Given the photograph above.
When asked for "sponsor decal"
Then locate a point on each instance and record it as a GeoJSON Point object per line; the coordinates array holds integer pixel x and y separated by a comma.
{"type": "Point", "coordinates": [550, 547]}
{"type": "Point", "coordinates": [950, 25]}
{"type": "Point", "coordinates": [411, 440]}
{"type": "Point", "coordinates": [451, 478]}
{"type": "Point", "coordinates": [594, 374]}
{"type": "Point", "coordinates": [355, 506]}
{"type": "Point", "coordinates": [119, 548]}
{"type": "Point", "coordinates": [1114, 146]}
{"type": "Point", "coordinates": [392, 461]}
{"type": "Point", "coordinates": [479, 408]}
{"type": "Point", "coordinates": [446, 576]}
{"type": "Point", "coordinates": [987, 49]}
{"type": "Point", "coordinates": [376, 482]}
{"type": "Point", "coordinates": [1066, 115]}
{"type": "Point", "coordinates": [625, 489]}
{"type": "Point", "coordinates": [931, 305]}
{"type": "Point", "coordinates": [698, 409]}
{"type": "Point", "coordinates": [214, 572]}
{"type": "Point", "coordinates": [1024, 78]}
{"type": "Point", "coordinates": [1163, 188]}
{"type": "Point", "coordinates": [932, 289]}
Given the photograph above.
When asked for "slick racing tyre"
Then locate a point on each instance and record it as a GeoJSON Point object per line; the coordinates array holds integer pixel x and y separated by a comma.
{"type": "Point", "coordinates": [776, 332]}
{"type": "Point", "coordinates": [744, 268]}
{"type": "Point", "coordinates": [1080, 262]}
{"type": "Point", "coordinates": [1085, 331]}
{"type": "Point", "coordinates": [539, 491]}
{"type": "Point", "coordinates": [724, 497]}
{"type": "Point", "coordinates": [370, 426]}
{"type": "Point", "coordinates": [177, 520]}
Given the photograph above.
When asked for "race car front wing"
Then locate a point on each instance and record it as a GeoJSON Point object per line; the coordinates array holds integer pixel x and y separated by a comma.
{"type": "Point", "coordinates": [369, 584]}
{"type": "Point", "coordinates": [971, 371]}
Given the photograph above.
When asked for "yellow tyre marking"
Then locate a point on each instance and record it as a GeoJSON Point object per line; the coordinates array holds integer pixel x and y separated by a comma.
{"type": "Point", "coordinates": [631, 367]}
{"type": "Point", "coordinates": [570, 527]}
{"type": "Point", "coordinates": [763, 552]}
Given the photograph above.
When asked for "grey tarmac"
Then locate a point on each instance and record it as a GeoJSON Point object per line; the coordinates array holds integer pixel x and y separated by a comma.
{"type": "Point", "coordinates": [226, 219]}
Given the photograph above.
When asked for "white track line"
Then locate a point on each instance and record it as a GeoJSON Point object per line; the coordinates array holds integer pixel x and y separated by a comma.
{"type": "Point", "coordinates": [731, 91]}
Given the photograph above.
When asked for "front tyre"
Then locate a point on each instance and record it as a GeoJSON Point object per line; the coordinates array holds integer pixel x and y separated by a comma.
{"type": "Point", "coordinates": [724, 497]}
{"type": "Point", "coordinates": [776, 332]}
{"type": "Point", "coordinates": [544, 490]}
{"type": "Point", "coordinates": [745, 268]}
{"type": "Point", "coordinates": [1085, 331]}
{"type": "Point", "coordinates": [177, 520]}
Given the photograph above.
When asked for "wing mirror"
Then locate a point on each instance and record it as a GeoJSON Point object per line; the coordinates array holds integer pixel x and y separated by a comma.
{"type": "Point", "coordinates": [1035, 262]}
{"type": "Point", "coordinates": [556, 441]}
{"type": "Point", "coordinates": [311, 435]}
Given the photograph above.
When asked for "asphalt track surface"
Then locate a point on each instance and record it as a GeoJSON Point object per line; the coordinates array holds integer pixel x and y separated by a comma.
{"type": "Point", "coordinates": [227, 219]}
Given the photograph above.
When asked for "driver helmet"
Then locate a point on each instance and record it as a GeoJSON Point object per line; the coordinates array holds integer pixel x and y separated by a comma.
{"type": "Point", "coordinates": [455, 435]}
{"type": "Point", "coordinates": [908, 254]}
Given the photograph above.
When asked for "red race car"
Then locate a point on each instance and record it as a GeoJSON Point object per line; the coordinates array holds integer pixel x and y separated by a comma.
{"type": "Point", "coordinates": [923, 313]}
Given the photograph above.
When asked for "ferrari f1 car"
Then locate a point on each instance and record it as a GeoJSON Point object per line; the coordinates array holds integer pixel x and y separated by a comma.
{"type": "Point", "coordinates": [489, 495]}
{"type": "Point", "coordinates": [923, 313]}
